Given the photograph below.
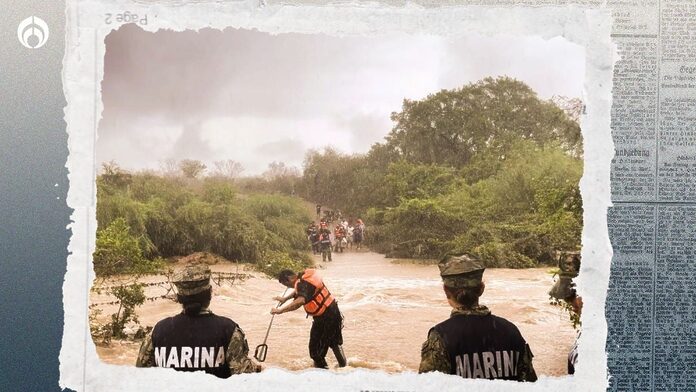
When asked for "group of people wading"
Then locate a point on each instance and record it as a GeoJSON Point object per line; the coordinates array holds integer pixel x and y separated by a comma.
{"type": "Point", "coordinates": [345, 235]}
{"type": "Point", "coordinates": [471, 343]}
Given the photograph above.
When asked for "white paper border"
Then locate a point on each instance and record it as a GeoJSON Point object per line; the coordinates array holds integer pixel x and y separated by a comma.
{"type": "Point", "coordinates": [80, 367]}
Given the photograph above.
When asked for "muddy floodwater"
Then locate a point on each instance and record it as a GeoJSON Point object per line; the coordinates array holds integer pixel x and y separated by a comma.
{"type": "Point", "coordinates": [388, 307]}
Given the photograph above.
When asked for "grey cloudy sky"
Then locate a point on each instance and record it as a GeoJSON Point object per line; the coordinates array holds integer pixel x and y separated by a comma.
{"type": "Point", "coordinates": [257, 98]}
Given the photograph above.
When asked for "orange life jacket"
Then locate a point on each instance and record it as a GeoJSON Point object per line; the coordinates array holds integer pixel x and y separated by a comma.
{"type": "Point", "coordinates": [322, 298]}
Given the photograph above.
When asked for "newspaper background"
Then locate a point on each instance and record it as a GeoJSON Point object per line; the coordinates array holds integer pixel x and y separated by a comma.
{"type": "Point", "coordinates": [650, 307]}
{"type": "Point", "coordinates": [652, 192]}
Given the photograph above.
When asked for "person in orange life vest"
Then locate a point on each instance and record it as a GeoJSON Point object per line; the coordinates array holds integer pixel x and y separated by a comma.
{"type": "Point", "coordinates": [311, 292]}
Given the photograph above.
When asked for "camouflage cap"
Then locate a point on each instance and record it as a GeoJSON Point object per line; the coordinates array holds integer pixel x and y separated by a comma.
{"type": "Point", "coordinates": [568, 263]}
{"type": "Point", "coordinates": [461, 271]}
{"type": "Point", "coordinates": [193, 279]}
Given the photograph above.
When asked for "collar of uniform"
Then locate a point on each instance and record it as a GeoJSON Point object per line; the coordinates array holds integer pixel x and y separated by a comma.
{"type": "Point", "coordinates": [202, 312]}
{"type": "Point", "coordinates": [478, 310]}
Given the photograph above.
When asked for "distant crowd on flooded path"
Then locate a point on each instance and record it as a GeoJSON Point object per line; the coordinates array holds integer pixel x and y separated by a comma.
{"type": "Point", "coordinates": [334, 233]}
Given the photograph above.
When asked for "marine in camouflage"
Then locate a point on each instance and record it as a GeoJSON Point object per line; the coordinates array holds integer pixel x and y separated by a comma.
{"type": "Point", "coordinates": [192, 280]}
{"type": "Point", "coordinates": [462, 272]}
{"type": "Point", "coordinates": [236, 357]}
{"type": "Point", "coordinates": [434, 356]}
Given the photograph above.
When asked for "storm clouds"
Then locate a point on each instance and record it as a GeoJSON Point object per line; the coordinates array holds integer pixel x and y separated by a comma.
{"type": "Point", "coordinates": [257, 98]}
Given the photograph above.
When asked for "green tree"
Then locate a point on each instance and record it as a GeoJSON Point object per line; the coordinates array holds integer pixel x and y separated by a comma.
{"type": "Point", "coordinates": [331, 178]}
{"type": "Point", "coordinates": [406, 180]}
{"type": "Point", "coordinates": [452, 127]}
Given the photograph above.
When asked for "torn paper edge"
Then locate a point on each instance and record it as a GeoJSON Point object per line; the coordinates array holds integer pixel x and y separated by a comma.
{"type": "Point", "coordinates": [80, 367]}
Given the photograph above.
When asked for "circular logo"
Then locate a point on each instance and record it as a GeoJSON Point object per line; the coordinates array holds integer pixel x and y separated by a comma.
{"type": "Point", "coordinates": [32, 32]}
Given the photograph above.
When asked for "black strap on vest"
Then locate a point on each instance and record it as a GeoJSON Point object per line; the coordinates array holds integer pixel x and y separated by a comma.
{"type": "Point", "coordinates": [326, 297]}
{"type": "Point", "coordinates": [317, 291]}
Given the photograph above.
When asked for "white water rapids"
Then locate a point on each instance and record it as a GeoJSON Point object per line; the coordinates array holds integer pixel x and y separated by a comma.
{"type": "Point", "coordinates": [388, 307]}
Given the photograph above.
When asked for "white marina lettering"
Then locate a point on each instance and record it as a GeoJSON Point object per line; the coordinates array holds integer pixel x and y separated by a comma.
{"type": "Point", "coordinates": [488, 364]}
{"type": "Point", "coordinates": [160, 356]}
{"type": "Point", "coordinates": [463, 365]}
{"type": "Point", "coordinates": [207, 355]}
{"type": "Point", "coordinates": [507, 363]}
{"type": "Point", "coordinates": [186, 354]}
{"type": "Point", "coordinates": [499, 363]}
{"type": "Point", "coordinates": [220, 357]}
{"type": "Point", "coordinates": [478, 371]}
{"type": "Point", "coordinates": [173, 360]}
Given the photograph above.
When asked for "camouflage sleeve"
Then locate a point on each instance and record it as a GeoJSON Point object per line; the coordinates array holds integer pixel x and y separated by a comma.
{"type": "Point", "coordinates": [525, 369]}
{"type": "Point", "coordinates": [146, 354]}
{"type": "Point", "coordinates": [238, 355]}
{"type": "Point", "coordinates": [433, 355]}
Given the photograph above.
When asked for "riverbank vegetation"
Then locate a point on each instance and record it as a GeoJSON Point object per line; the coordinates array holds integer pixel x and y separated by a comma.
{"type": "Point", "coordinates": [144, 218]}
{"type": "Point", "coordinates": [488, 168]}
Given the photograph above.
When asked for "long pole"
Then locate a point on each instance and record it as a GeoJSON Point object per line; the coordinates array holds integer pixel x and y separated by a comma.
{"type": "Point", "coordinates": [272, 317]}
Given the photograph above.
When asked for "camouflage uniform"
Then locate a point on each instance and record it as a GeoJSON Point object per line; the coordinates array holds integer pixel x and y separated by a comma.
{"type": "Point", "coordinates": [462, 272]}
{"type": "Point", "coordinates": [195, 279]}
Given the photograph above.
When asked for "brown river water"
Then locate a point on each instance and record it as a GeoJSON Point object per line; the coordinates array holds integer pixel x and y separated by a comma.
{"type": "Point", "coordinates": [388, 308]}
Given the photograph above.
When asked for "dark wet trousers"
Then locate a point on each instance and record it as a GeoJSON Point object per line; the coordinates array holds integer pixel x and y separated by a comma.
{"type": "Point", "coordinates": [325, 251]}
{"type": "Point", "coordinates": [326, 333]}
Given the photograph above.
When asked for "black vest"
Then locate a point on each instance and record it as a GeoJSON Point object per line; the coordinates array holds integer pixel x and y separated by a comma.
{"type": "Point", "coordinates": [482, 346]}
{"type": "Point", "coordinates": [190, 343]}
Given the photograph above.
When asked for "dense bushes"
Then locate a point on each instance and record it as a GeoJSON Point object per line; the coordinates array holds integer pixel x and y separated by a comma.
{"type": "Point", "coordinates": [118, 251]}
{"type": "Point", "coordinates": [149, 216]}
{"type": "Point", "coordinates": [274, 262]}
{"type": "Point", "coordinates": [515, 218]}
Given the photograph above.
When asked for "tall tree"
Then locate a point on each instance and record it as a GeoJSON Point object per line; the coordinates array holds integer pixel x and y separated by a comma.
{"type": "Point", "coordinates": [452, 127]}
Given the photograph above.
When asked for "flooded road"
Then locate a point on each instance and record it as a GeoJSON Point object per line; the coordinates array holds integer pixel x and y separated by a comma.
{"type": "Point", "coordinates": [388, 307]}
